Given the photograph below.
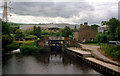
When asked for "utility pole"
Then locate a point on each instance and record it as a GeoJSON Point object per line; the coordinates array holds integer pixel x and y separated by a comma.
{"type": "Point", "coordinates": [5, 13]}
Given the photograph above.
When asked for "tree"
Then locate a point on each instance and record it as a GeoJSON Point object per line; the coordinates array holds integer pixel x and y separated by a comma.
{"type": "Point", "coordinates": [113, 23]}
{"type": "Point", "coordinates": [66, 32]}
{"type": "Point", "coordinates": [102, 37]}
{"type": "Point", "coordinates": [14, 28]}
{"type": "Point", "coordinates": [37, 31]}
{"type": "Point", "coordinates": [104, 23]}
{"type": "Point", "coordinates": [28, 32]}
{"type": "Point", "coordinates": [117, 34]}
{"type": "Point", "coordinates": [5, 28]}
{"type": "Point", "coordinates": [6, 39]}
{"type": "Point", "coordinates": [95, 27]}
{"type": "Point", "coordinates": [19, 34]}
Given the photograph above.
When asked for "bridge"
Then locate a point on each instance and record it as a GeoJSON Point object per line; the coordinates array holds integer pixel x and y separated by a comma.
{"type": "Point", "coordinates": [56, 41]}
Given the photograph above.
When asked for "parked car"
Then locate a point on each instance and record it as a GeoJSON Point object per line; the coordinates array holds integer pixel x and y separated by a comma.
{"type": "Point", "coordinates": [114, 43]}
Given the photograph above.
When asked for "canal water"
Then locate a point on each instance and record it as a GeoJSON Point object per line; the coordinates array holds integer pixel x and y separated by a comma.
{"type": "Point", "coordinates": [44, 64]}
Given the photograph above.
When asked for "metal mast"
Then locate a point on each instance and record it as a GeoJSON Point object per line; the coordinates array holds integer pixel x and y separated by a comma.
{"type": "Point", "coordinates": [5, 16]}
{"type": "Point", "coordinates": [5, 13]}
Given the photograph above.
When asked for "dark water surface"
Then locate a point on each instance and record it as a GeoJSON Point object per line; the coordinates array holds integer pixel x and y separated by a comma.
{"type": "Point", "coordinates": [44, 64]}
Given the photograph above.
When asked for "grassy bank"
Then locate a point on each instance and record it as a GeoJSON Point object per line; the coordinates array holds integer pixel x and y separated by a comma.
{"type": "Point", "coordinates": [96, 44]}
{"type": "Point", "coordinates": [112, 51]}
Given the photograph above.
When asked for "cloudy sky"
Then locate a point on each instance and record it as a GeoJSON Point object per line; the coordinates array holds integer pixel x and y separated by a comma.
{"type": "Point", "coordinates": [62, 11]}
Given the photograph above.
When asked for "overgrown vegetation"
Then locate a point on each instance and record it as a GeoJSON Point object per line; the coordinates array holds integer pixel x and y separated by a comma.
{"type": "Point", "coordinates": [31, 48]}
{"type": "Point", "coordinates": [30, 37]}
{"type": "Point", "coordinates": [102, 38]}
{"type": "Point", "coordinates": [49, 33]}
{"type": "Point", "coordinates": [66, 32]}
{"type": "Point", "coordinates": [28, 32]}
{"type": "Point", "coordinates": [113, 31]}
{"type": "Point", "coordinates": [113, 51]}
{"type": "Point", "coordinates": [13, 28]}
{"type": "Point", "coordinates": [12, 46]}
{"type": "Point", "coordinates": [5, 28]}
{"type": "Point", "coordinates": [19, 34]}
{"type": "Point", "coordinates": [24, 48]}
{"type": "Point", "coordinates": [37, 31]}
{"type": "Point", "coordinates": [6, 39]}
{"type": "Point", "coordinates": [113, 34]}
{"type": "Point", "coordinates": [6, 36]}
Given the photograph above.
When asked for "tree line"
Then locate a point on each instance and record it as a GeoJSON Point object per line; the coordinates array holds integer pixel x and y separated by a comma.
{"type": "Point", "coordinates": [113, 33]}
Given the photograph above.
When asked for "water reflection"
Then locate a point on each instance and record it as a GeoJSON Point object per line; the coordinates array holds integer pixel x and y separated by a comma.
{"type": "Point", "coordinates": [44, 64]}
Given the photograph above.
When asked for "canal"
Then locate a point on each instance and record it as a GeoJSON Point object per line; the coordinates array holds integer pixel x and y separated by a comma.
{"type": "Point", "coordinates": [54, 63]}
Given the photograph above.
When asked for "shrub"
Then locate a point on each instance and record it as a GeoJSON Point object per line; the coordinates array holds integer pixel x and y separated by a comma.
{"type": "Point", "coordinates": [12, 46]}
{"type": "Point", "coordinates": [19, 34]}
{"type": "Point", "coordinates": [13, 28]}
{"type": "Point", "coordinates": [31, 37]}
{"type": "Point", "coordinates": [6, 40]}
{"type": "Point", "coordinates": [28, 32]}
{"type": "Point", "coordinates": [24, 48]}
{"type": "Point", "coordinates": [102, 38]}
{"type": "Point", "coordinates": [113, 51]}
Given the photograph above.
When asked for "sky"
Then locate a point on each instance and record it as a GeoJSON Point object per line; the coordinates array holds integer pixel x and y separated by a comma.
{"type": "Point", "coordinates": [61, 11]}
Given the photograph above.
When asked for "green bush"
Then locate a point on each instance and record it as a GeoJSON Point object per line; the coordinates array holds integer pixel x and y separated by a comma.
{"type": "Point", "coordinates": [6, 40]}
{"type": "Point", "coordinates": [24, 48]}
{"type": "Point", "coordinates": [13, 28]}
{"type": "Point", "coordinates": [28, 32]}
{"type": "Point", "coordinates": [19, 34]}
{"type": "Point", "coordinates": [103, 38]}
{"type": "Point", "coordinates": [113, 51]}
{"type": "Point", "coordinates": [49, 33]}
{"type": "Point", "coordinates": [12, 46]}
{"type": "Point", "coordinates": [31, 37]}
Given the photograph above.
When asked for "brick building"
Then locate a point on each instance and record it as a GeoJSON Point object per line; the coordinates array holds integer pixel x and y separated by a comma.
{"type": "Point", "coordinates": [84, 33]}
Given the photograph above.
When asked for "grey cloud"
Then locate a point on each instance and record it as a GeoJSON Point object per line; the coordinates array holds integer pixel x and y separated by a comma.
{"type": "Point", "coordinates": [50, 9]}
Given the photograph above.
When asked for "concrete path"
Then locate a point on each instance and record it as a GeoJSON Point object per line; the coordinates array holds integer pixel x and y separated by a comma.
{"type": "Point", "coordinates": [97, 54]}
{"type": "Point", "coordinates": [107, 65]}
{"type": "Point", "coordinates": [81, 52]}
